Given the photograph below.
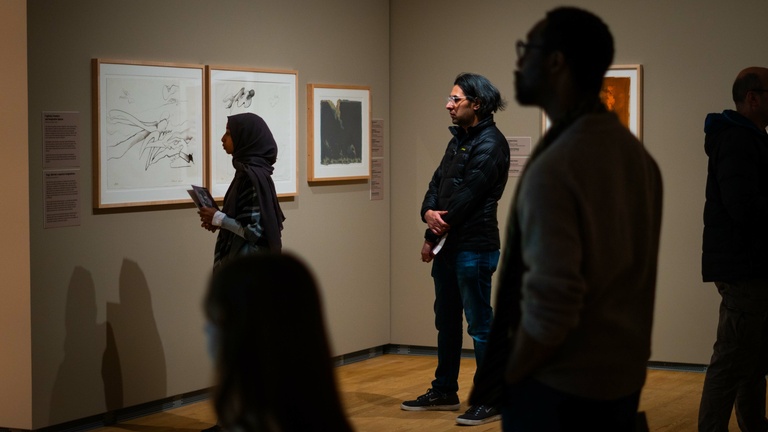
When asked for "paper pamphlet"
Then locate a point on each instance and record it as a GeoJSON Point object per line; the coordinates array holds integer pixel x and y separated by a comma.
{"type": "Point", "coordinates": [202, 197]}
{"type": "Point", "coordinates": [439, 244]}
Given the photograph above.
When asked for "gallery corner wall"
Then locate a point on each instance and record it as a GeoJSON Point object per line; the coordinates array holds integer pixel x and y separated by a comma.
{"type": "Point", "coordinates": [15, 312]}
{"type": "Point", "coordinates": [125, 288]}
{"type": "Point", "coordinates": [690, 51]}
{"type": "Point", "coordinates": [116, 301]}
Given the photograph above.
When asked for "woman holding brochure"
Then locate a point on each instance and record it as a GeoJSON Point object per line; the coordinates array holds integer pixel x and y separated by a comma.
{"type": "Point", "coordinates": [251, 219]}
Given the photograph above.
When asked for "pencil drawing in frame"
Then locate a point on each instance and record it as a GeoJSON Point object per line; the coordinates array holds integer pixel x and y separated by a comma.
{"type": "Point", "coordinates": [270, 94]}
{"type": "Point", "coordinates": [339, 132]}
{"type": "Point", "coordinates": [622, 93]}
{"type": "Point", "coordinates": [149, 127]}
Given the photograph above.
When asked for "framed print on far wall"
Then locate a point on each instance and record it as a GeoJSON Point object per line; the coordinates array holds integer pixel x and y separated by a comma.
{"type": "Point", "coordinates": [270, 94]}
{"type": "Point", "coordinates": [339, 133]}
{"type": "Point", "coordinates": [149, 129]}
{"type": "Point", "coordinates": [622, 93]}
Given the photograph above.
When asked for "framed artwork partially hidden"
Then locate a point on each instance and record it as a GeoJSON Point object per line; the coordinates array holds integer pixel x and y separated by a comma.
{"type": "Point", "coordinates": [270, 94]}
{"type": "Point", "coordinates": [338, 133]}
{"type": "Point", "coordinates": [622, 93]}
{"type": "Point", "coordinates": [149, 128]}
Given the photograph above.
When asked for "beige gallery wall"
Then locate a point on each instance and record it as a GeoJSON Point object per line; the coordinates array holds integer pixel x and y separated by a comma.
{"type": "Point", "coordinates": [690, 51]}
{"type": "Point", "coordinates": [15, 323]}
{"type": "Point", "coordinates": [116, 301]}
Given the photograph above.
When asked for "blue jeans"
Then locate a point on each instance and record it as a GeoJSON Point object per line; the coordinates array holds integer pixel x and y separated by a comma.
{"type": "Point", "coordinates": [530, 406]}
{"type": "Point", "coordinates": [736, 372]}
{"type": "Point", "coordinates": [462, 284]}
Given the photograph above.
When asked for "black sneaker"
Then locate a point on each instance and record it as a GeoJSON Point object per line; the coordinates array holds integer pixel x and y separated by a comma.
{"type": "Point", "coordinates": [478, 415]}
{"type": "Point", "coordinates": [433, 400]}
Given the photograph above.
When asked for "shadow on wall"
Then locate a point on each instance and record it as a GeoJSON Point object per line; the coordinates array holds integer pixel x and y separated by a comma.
{"type": "Point", "coordinates": [134, 368]}
{"type": "Point", "coordinates": [125, 352]}
{"type": "Point", "coordinates": [78, 391]}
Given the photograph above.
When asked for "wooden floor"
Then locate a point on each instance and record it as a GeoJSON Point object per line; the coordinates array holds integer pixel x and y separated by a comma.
{"type": "Point", "coordinates": [372, 391]}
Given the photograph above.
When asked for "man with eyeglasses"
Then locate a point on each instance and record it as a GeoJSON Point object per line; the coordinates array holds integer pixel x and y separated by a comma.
{"type": "Point", "coordinates": [462, 238]}
{"type": "Point", "coordinates": [735, 256]}
{"type": "Point", "coordinates": [571, 338]}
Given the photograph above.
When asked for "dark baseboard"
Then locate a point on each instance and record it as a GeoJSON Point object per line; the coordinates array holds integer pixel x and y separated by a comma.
{"type": "Point", "coordinates": [391, 349]}
{"type": "Point", "coordinates": [123, 414]}
{"type": "Point", "coordinates": [679, 367]}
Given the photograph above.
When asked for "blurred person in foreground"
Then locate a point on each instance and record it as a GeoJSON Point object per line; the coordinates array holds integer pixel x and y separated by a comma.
{"type": "Point", "coordinates": [267, 337]}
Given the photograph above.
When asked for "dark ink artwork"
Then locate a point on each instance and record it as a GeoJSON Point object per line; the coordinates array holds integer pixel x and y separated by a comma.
{"type": "Point", "coordinates": [341, 132]}
{"type": "Point", "coordinates": [241, 99]}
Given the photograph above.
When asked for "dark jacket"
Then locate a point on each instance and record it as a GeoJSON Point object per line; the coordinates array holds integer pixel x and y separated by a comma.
{"type": "Point", "coordinates": [735, 241]}
{"type": "Point", "coordinates": [468, 184]}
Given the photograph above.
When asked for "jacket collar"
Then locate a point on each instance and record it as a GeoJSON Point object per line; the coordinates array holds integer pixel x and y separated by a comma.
{"type": "Point", "coordinates": [459, 132]}
{"type": "Point", "coordinates": [716, 122]}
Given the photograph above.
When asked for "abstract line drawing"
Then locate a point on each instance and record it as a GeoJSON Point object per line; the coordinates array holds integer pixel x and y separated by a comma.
{"type": "Point", "coordinates": [271, 94]}
{"type": "Point", "coordinates": [126, 96]}
{"type": "Point", "coordinates": [240, 99]}
{"type": "Point", "coordinates": [169, 94]}
{"type": "Point", "coordinates": [150, 131]}
{"type": "Point", "coordinates": [156, 140]}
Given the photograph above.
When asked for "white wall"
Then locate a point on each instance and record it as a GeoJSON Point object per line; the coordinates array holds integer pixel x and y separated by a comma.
{"type": "Point", "coordinates": [690, 52]}
{"type": "Point", "coordinates": [15, 321]}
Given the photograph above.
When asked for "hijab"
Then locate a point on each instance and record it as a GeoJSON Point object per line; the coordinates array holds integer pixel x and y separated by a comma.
{"type": "Point", "coordinates": [254, 154]}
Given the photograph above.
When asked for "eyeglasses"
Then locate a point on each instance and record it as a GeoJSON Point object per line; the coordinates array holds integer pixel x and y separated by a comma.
{"type": "Point", "coordinates": [522, 48]}
{"type": "Point", "coordinates": [457, 99]}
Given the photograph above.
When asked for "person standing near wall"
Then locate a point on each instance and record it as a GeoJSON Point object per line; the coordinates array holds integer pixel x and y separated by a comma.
{"type": "Point", "coordinates": [460, 209]}
{"type": "Point", "coordinates": [251, 219]}
{"type": "Point", "coordinates": [735, 256]}
{"type": "Point", "coordinates": [572, 333]}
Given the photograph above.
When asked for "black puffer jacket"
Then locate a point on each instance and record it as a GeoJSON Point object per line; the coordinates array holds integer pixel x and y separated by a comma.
{"type": "Point", "coordinates": [735, 242]}
{"type": "Point", "coordinates": [468, 184]}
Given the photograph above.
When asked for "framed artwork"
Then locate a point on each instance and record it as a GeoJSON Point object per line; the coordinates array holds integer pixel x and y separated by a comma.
{"type": "Point", "coordinates": [339, 133]}
{"type": "Point", "coordinates": [149, 128]}
{"type": "Point", "coordinates": [270, 94]}
{"type": "Point", "coordinates": [622, 93]}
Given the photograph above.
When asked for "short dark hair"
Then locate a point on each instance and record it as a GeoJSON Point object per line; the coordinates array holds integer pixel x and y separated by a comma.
{"type": "Point", "coordinates": [478, 88]}
{"type": "Point", "coordinates": [585, 41]}
{"type": "Point", "coordinates": [743, 85]}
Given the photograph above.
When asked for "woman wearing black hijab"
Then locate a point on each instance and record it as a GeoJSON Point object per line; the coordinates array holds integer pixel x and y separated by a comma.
{"type": "Point", "coordinates": [251, 219]}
